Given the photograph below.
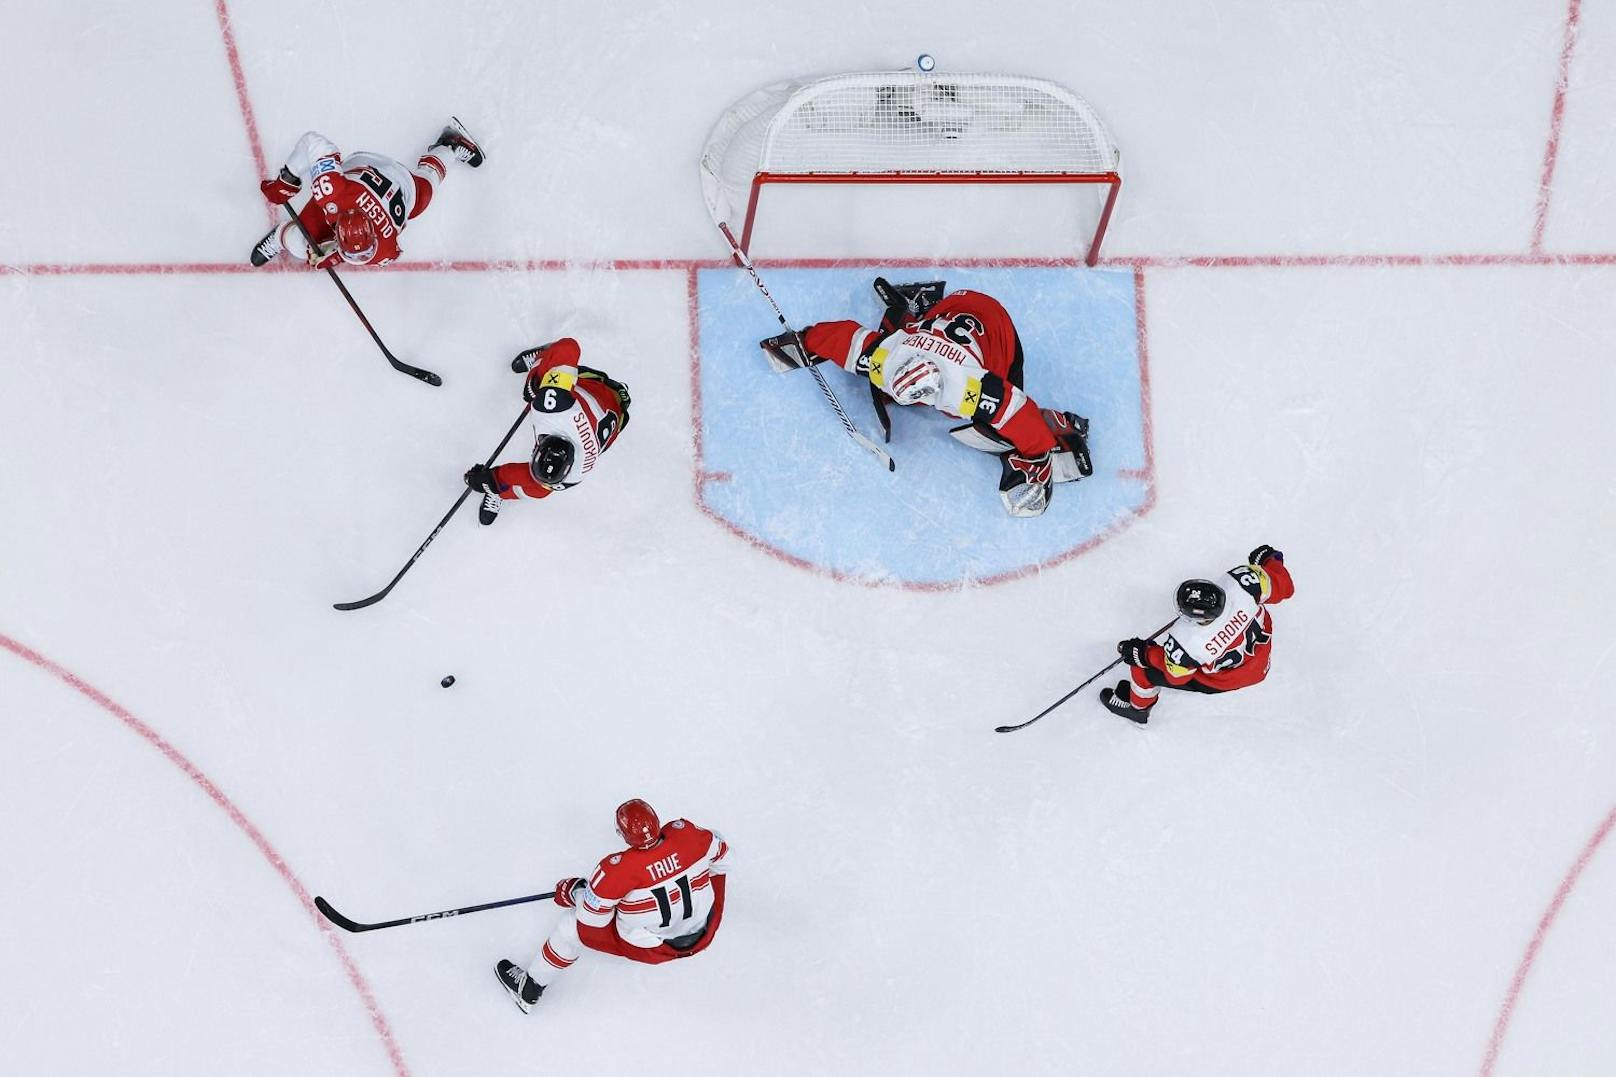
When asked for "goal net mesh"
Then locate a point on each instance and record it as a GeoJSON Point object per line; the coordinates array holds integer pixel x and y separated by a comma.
{"type": "Point", "coordinates": [901, 126]}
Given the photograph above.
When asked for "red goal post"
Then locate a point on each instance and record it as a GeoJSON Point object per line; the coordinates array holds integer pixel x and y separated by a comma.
{"type": "Point", "coordinates": [906, 127]}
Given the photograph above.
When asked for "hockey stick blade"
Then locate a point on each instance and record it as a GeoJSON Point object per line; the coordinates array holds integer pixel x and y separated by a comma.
{"type": "Point", "coordinates": [353, 925]}
{"type": "Point", "coordinates": [392, 360]}
{"type": "Point", "coordinates": [421, 549]}
{"type": "Point", "coordinates": [1055, 705]}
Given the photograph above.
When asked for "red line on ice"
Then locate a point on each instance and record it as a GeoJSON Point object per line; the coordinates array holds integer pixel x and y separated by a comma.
{"type": "Point", "coordinates": [222, 13]}
{"type": "Point", "coordinates": [1551, 151]}
{"type": "Point", "coordinates": [1507, 1011]}
{"type": "Point", "coordinates": [1213, 261]}
{"type": "Point", "coordinates": [214, 793]}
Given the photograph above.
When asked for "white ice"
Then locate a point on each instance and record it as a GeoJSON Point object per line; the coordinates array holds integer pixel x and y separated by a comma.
{"type": "Point", "coordinates": [1339, 872]}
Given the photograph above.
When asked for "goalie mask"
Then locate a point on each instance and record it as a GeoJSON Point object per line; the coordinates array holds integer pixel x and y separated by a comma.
{"type": "Point", "coordinates": [553, 457]}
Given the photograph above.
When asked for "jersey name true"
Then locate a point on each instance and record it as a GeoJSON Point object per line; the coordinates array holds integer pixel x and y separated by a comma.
{"type": "Point", "coordinates": [661, 869]}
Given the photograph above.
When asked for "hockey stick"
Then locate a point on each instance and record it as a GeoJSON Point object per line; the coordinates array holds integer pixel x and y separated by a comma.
{"type": "Point", "coordinates": [461, 500]}
{"type": "Point", "coordinates": [397, 364]}
{"type": "Point", "coordinates": [1079, 688]}
{"type": "Point", "coordinates": [836, 405]}
{"type": "Point", "coordinates": [353, 925]}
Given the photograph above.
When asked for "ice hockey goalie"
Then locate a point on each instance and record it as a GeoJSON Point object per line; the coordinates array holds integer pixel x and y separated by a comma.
{"type": "Point", "coordinates": [959, 353]}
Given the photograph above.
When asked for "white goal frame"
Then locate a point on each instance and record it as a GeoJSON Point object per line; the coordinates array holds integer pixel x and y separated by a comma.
{"type": "Point", "coordinates": [906, 127]}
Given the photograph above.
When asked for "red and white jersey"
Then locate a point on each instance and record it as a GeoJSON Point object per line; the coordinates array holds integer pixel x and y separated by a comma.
{"type": "Point", "coordinates": [1242, 636]}
{"type": "Point", "coordinates": [578, 404]}
{"type": "Point", "coordinates": [379, 187]}
{"type": "Point", "coordinates": [659, 893]}
{"type": "Point", "coordinates": [972, 341]}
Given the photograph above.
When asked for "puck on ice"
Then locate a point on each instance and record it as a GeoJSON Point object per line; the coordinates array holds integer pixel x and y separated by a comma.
{"type": "Point", "coordinates": [925, 62]}
{"type": "Point", "coordinates": [448, 682]}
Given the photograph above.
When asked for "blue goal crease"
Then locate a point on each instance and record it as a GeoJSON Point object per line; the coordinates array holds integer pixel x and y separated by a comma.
{"type": "Point", "coordinates": [789, 477]}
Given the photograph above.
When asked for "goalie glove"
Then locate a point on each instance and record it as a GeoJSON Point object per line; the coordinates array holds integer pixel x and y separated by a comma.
{"type": "Point", "coordinates": [1025, 483]}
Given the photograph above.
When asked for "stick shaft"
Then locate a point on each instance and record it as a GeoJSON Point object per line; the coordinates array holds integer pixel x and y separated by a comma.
{"type": "Point", "coordinates": [1053, 706]}
{"type": "Point", "coordinates": [461, 500]}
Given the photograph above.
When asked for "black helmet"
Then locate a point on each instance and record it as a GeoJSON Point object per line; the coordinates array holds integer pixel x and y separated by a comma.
{"type": "Point", "coordinates": [552, 460]}
{"type": "Point", "coordinates": [1200, 600]}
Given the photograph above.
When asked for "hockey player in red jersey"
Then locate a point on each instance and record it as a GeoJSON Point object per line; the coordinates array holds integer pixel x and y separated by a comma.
{"type": "Point", "coordinates": [578, 413]}
{"type": "Point", "coordinates": [660, 899]}
{"type": "Point", "coordinates": [358, 205]}
{"type": "Point", "coordinates": [1220, 642]}
{"type": "Point", "coordinates": [960, 354]}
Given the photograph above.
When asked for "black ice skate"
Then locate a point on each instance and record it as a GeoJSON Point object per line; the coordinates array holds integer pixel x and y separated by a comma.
{"type": "Point", "coordinates": [455, 139]}
{"type": "Point", "coordinates": [522, 988]}
{"type": "Point", "coordinates": [1119, 701]}
{"type": "Point", "coordinates": [267, 249]}
{"type": "Point", "coordinates": [488, 511]}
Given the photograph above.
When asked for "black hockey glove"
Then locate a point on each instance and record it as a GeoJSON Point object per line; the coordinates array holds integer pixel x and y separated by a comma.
{"type": "Point", "coordinates": [1135, 652]}
{"type": "Point", "coordinates": [480, 477]}
{"type": "Point", "coordinates": [1264, 554]}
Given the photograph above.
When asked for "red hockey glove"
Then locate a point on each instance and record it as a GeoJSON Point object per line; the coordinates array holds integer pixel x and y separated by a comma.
{"type": "Point", "coordinates": [1135, 652]}
{"type": "Point", "coordinates": [279, 191]}
{"type": "Point", "coordinates": [1264, 554]}
{"type": "Point", "coordinates": [564, 891]}
{"type": "Point", "coordinates": [324, 257]}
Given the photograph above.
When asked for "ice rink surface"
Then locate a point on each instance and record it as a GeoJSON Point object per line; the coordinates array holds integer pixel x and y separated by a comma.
{"type": "Point", "coordinates": [1372, 248]}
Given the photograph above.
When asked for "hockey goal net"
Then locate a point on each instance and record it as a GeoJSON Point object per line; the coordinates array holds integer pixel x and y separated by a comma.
{"type": "Point", "coordinates": [906, 127]}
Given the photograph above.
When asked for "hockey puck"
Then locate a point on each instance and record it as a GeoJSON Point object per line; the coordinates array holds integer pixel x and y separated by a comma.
{"type": "Point", "coordinates": [448, 682]}
{"type": "Point", "coordinates": [925, 62]}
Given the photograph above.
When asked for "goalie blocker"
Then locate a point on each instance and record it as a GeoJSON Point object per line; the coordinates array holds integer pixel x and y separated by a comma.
{"type": "Point", "coordinates": [958, 352]}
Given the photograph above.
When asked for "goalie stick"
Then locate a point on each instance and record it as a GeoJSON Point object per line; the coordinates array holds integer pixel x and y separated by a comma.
{"type": "Point", "coordinates": [824, 387]}
{"type": "Point", "coordinates": [396, 363]}
{"type": "Point", "coordinates": [419, 550]}
{"type": "Point", "coordinates": [353, 925]}
{"type": "Point", "coordinates": [1079, 688]}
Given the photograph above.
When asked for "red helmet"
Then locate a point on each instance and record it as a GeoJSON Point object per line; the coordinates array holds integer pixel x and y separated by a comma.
{"type": "Point", "coordinates": [356, 237]}
{"type": "Point", "coordinates": [637, 823]}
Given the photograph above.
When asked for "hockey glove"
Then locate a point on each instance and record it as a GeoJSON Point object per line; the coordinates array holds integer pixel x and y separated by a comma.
{"type": "Point", "coordinates": [1264, 554]}
{"type": "Point", "coordinates": [566, 891]}
{"type": "Point", "coordinates": [1135, 652]}
{"type": "Point", "coordinates": [480, 477]}
{"type": "Point", "coordinates": [279, 191]}
{"type": "Point", "coordinates": [1025, 483]}
{"type": "Point", "coordinates": [324, 256]}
